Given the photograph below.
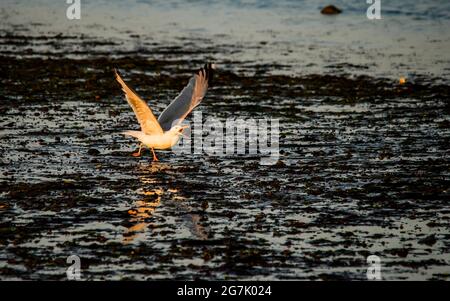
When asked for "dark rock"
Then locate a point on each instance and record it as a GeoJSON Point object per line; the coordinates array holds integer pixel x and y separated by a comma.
{"type": "Point", "coordinates": [330, 10]}
{"type": "Point", "coordinates": [429, 240]}
{"type": "Point", "coordinates": [399, 252]}
{"type": "Point", "coordinates": [205, 205]}
{"type": "Point", "coordinates": [93, 152]}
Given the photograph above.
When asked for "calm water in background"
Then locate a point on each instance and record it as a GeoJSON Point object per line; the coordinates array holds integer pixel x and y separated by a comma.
{"type": "Point", "coordinates": [411, 39]}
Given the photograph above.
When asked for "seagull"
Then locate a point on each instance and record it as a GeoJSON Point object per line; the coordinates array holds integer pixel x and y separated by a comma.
{"type": "Point", "coordinates": [164, 132]}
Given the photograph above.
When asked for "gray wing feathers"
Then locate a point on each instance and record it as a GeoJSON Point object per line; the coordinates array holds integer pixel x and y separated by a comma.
{"type": "Point", "coordinates": [178, 107]}
{"type": "Point", "coordinates": [188, 99]}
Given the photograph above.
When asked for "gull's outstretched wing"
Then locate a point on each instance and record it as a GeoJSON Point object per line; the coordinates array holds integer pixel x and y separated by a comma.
{"type": "Point", "coordinates": [188, 99]}
{"type": "Point", "coordinates": [148, 122]}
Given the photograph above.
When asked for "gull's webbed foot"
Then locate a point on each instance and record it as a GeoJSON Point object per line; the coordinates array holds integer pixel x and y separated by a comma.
{"type": "Point", "coordinates": [154, 155]}
{"type": "Point", "coordinates": [138, 153]}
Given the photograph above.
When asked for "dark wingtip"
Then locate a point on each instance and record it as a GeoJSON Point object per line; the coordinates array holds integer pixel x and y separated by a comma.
{"type": "Point", "coordinates": [209, 69]}
{"type": "Point", "coordinates": [116, 72]}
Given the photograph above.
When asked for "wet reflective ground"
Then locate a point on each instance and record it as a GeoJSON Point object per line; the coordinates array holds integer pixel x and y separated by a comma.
{"type": "Point", "coordinates": [364, 169]}
{"type": "Point", "coordinates": [364, 161]}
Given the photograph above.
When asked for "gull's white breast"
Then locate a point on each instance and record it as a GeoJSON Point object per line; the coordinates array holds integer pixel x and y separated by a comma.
{"type": "Point", "coordinates": [163, 141]}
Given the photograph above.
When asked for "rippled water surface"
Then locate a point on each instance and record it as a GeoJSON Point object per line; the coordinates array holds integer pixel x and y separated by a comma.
{"type": "Point", "coordinates": [364, 161]}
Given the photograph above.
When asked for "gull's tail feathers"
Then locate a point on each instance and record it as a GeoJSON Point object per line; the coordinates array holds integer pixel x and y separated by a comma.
{"type": "Point", "coordinates": [136, 134]}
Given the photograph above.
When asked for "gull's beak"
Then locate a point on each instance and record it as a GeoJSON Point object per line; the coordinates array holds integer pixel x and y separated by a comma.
{"type": "Point", "coordinates": [183, 128]}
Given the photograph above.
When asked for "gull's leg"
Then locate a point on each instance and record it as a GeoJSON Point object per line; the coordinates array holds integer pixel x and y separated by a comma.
{"type": "Point", "coordinates": [138, 153]}
{"type": "Point", "coordinates": [154, 155]}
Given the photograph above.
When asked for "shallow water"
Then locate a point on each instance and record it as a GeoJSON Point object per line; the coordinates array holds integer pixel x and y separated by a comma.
{"type": "Point", "coordinates": [364, 166]}
{"type": "Point", "coordinates": [411, 40]}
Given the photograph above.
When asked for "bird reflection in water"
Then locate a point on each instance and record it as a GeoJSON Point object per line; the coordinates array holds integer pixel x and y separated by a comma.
{"type": "Point", "coordinates": [143, 210]}
{"type": "Point", "coordinates": [145, 207]}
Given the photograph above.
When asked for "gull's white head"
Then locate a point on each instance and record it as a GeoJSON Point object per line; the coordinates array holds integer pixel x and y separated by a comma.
{"type": "Point", "coordinates": [178, 129]}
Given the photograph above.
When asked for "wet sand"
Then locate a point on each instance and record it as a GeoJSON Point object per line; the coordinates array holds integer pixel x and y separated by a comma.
{"type": "Point", "coordinates": [364, 164]}
{"type": "Point", "coordinates": [364, 170]}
